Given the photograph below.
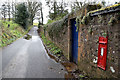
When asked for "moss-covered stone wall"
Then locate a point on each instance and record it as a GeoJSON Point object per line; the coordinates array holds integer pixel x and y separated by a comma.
{"type": "Point", "coordinates": [91, 25]}
{"type": "Point", "coordinates": [100, 25]}
{"type": "Point", "coordinates": [57, 32]}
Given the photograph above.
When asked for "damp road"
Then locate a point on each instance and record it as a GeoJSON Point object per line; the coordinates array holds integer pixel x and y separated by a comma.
{"type": "Point", "coordinates": [29, 59]}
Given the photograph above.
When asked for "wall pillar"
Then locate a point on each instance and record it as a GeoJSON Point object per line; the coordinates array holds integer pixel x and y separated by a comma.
{"type": "Point", "coordinates": [69, 41]}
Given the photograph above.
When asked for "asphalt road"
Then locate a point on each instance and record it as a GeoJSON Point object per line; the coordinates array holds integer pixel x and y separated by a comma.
{"type": "Point", "coordinates": [29, 59]}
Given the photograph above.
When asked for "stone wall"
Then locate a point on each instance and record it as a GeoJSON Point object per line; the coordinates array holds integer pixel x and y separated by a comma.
{"type": "Point", "coordinates": [105, 24]}
{"type": "Point", "coordinates": [88, 45]}
{"type": "Point", "coordinates": [57, 32]}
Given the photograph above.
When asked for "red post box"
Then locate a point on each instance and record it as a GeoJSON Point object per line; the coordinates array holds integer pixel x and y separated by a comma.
{"type": "Point", "coordinates": [102, 52]}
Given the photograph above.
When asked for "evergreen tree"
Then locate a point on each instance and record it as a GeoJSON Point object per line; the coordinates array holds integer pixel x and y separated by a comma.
{"type": "Point", "coordinates": [21, 16]}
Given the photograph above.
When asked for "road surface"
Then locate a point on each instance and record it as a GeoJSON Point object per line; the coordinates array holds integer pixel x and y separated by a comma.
{"type": "Point", "coordinates": [29, 59]}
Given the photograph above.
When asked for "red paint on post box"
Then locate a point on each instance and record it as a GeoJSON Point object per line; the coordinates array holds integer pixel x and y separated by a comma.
{"type": "Point", "coordinates": [102, 52]}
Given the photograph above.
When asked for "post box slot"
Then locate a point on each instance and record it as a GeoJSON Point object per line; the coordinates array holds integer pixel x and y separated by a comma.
{"type": "Point", "coordinates": [102, 51]}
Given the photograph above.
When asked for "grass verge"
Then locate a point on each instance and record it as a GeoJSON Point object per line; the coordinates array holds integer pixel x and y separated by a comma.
{"type": "Point", "coordinates": [10, 33]}
{"type": "Point", "coordinates": [52, 47]}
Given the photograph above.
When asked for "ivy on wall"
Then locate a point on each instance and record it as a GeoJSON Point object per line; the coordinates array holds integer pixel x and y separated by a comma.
{"type": "Point", "coordinates": [55, 28]}
{"type": "Point", "coordinates": [82, 20]}
{"type": "Point", "coordinates": [112, 21]}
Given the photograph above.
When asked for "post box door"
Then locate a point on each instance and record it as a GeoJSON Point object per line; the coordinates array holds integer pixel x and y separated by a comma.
{"type": "Point", "coordinates": [102, 53]}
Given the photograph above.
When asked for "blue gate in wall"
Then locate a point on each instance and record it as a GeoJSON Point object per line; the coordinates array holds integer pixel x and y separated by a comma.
{"type": "Point", "coordinates": [74, 41]}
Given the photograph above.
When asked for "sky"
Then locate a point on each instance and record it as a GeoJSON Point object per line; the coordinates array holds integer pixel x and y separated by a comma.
{"type": "Point", "coordinates": [46, 8]}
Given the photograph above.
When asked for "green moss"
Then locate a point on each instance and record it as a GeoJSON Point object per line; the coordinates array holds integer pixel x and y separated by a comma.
{"type": "Point", "coordinates": [55, 28]}
{"type": "Point", "coordinates": [112, 21]}
{"type": "Point", "coordinates": [100, 19]}
{"type": "Point", "coordinates": [81, 76]}
{"type": "Point", "coordinates": [78, 22]}
{"type": "Point", "coordinates": [84, 20]}
{"type": "Point", "coordinates": [106, 8]}
{"type": "Point", "coordinates": [90, 30]}
{"type": "Point", "coordinates": [93, 7]}
{"type": "Point", "coordinates": [50, 21]}
{"type": "Point", "coordinates": [104, 34]}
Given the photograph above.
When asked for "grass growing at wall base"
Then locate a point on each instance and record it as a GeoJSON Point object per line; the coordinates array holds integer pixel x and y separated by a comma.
{"type": "Point", "coordinates": [52, 47]}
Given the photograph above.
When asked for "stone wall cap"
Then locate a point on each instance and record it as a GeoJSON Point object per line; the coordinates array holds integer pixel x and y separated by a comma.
{"type": "Point", "coordinates": [109, 9]}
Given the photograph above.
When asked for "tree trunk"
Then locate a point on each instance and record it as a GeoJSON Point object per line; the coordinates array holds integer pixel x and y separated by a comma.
{"type": "Point", "coordinates": [9, 11]}
{"type": "Point", "coordinates": [9, 15]}
{"type": "Point", "coordinates": [4, 17]}
{"type": "Point", "coordinates": [42, 15]}
{"type": "Point", "coordinates": [31, 21]}
{"type": "Point", "coordinates": [54, 9]}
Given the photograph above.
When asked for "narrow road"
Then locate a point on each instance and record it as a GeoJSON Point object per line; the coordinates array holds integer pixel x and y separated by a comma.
{"type": "Point", "coordinates": [29, 59]}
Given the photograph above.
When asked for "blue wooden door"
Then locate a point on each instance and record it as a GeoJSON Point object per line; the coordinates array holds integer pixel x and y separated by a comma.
{"type": "Point", "coordinates": [74, 41]}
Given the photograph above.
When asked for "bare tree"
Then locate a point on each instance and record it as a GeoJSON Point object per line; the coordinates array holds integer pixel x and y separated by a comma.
{"type": "Point", "coordinates": [77, 5]}
{"type": "Point", "coordinates": [41, 14]}
{"type": "Point", "coordinates": [56, 8]}
{"type": "Point", "coordinates": [13, 6]}
{"type": "Point", "coordinates": [52, 8]}
{"type": "Point", "coordinates": [4, 11]}
{"type": "Point", "coordinates": [8, 10]}
{"type": "Point", "coordinates": [33, 7]}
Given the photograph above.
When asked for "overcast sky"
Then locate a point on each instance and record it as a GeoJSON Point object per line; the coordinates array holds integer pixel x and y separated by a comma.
{"type": "Point", "coordinates": [46, 9]}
